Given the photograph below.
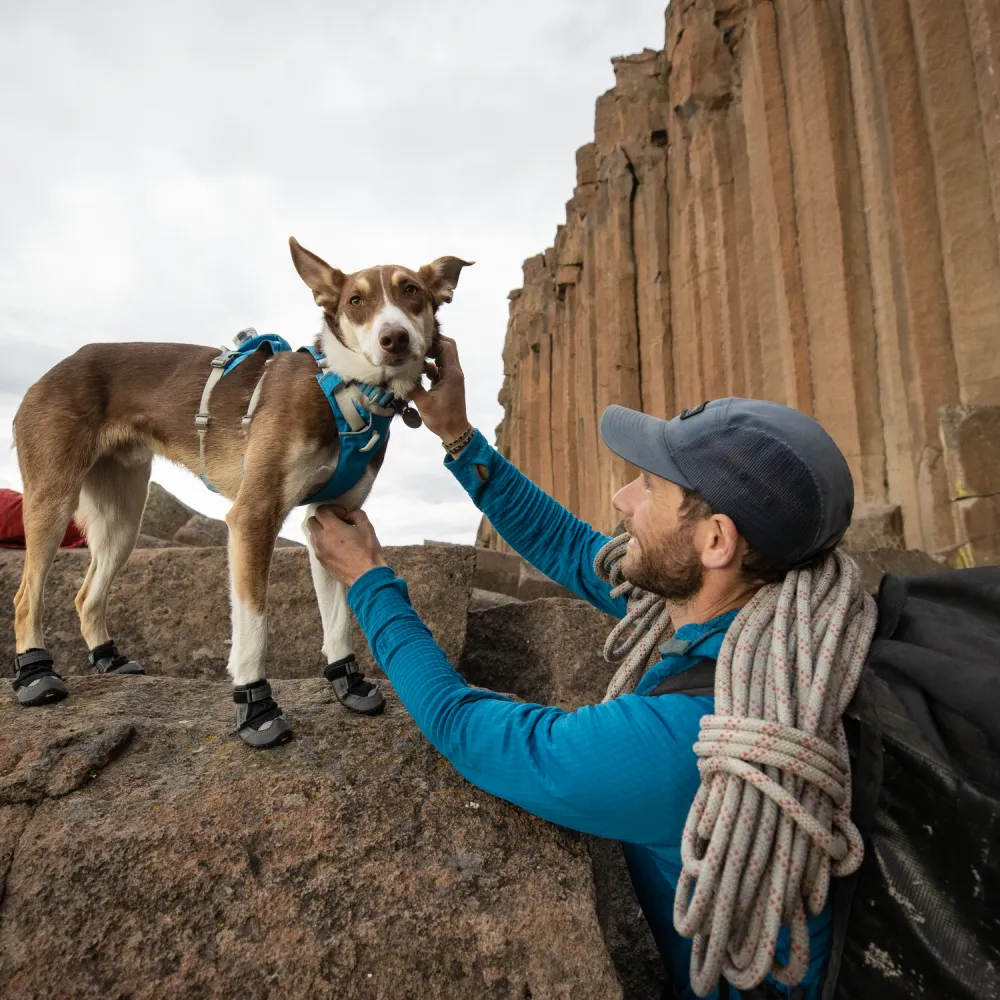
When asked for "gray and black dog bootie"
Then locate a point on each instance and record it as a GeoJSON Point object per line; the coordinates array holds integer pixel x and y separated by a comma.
{"type": "Point", "coordinates": [108, 660]}
{"type": "Point", "coordinates": [35, 682]}
{"type": "Point", "coordinates": [258, 717]}
{"type": "Point", "coordinates": [351, 688]}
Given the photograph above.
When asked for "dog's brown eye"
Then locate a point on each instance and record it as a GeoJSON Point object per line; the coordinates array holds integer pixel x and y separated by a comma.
{"type": "Point", "coordinates": [410, 290]}
{"type": "Point", "coordinates": [355, 300]}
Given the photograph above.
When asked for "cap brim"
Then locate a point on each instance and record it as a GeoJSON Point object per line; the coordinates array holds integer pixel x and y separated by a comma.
{"type": "Point", "coordinates": [643, 441]}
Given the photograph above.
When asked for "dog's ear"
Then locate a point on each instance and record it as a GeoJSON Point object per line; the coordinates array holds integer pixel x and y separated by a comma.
{"type": "Point", "coordinates": [441, 276]}
{"type": "Point", "coordinates": [326, 282]}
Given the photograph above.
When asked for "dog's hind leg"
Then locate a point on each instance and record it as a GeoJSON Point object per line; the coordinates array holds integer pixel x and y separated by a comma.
{"type": "Point", "coordinates": [254, 522]}
{"type": "Point", "coordinates": [51, 490]}
{"type": "Point", "coordinates": [351, 688]}
{"type": "Point", "coordinates": [110, 512]}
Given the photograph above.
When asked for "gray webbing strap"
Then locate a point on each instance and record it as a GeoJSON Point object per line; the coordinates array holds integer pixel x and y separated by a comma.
{"type": "Point", "coordinates": [249, 695]}
{"type": "Point", "coordinates": [201, 418]}
{"type": "Point", "coordinates": [248, 416]}
{"type": "Point", "coordinates": [345, 395]}
{"type": "Point", "coordinates": [31, 657]}
{"type": "Point", "coordinates": [376, 408]}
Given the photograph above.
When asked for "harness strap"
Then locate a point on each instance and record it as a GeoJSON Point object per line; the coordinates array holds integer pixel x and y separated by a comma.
{"type": "Point", "coordinates": [248, 416]}
{"type": "Point", "coordinates": [344, 396]}
{"type": "Point", "coordinates": [356, 406]}
{"type": "Point", "coordinates": [201, 418]}
{"type": "Point", "coordinates": [247, 342]}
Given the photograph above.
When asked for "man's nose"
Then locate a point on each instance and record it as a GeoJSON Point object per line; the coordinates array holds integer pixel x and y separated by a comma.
{"type": "Point", "coordinates": [624, 500]}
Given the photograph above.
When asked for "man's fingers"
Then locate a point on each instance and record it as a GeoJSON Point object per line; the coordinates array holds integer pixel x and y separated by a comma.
{"type": "Point", "coordinates": [446, 354]}
{"type": "Point", "coordinates": [323, 516]}
{"type": "Point", "coordinates": [329, 514]}
{"type": "Point", "coordinates": [441, 344]}
{"type": "Point", "coordinates": [449, 366]}
{"type": "Point", "coordinates": [360, 519]}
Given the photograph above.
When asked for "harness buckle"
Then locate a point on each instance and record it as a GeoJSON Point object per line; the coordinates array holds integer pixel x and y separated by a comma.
{"type": "Point", "coordinates": [244, 335]}
{"type": "Point", "coordinates": [245, 422]}
{"type": "Point", "coordinates": [201, 421]}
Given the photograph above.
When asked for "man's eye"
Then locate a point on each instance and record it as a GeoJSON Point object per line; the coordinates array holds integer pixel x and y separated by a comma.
{"type": "Point", "coordinates": [355, 300]}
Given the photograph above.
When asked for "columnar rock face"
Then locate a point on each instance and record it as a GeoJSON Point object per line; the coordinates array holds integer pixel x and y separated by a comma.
{"type": "Point", "coordinates": [795, 200]}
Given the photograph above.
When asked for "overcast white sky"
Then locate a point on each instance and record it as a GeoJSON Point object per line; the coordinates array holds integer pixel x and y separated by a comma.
{"type": "Point", "coordinates": [157, 156]}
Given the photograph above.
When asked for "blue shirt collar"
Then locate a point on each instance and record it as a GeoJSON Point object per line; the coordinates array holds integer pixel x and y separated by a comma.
{"type": "Point", "coordinates": [690, 643]}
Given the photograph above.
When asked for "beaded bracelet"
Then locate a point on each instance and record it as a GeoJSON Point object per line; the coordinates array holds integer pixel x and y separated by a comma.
{"type": "Point", "coordinates": [459, 444]}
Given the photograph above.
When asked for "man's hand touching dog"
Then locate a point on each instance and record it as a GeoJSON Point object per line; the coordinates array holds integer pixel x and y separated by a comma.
{"type": "Point", "coordinates": [442, 407]}
{"type": "Point", "coordinates": [345, 543]}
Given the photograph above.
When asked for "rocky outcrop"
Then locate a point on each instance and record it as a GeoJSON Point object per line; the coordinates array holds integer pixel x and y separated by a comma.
{"type": "Point", "coordinates": [169, 608]}
{"type": "Point", "coordinates": [168, 521]}
{"type": "Point", "coordinates": [164, 515]}
{"type": "Point", "coordinates": [547, 651]}
{"type": "Point", "coordinates": [792, 200]}
{"type": "Point", "coordinates": [145, 854]}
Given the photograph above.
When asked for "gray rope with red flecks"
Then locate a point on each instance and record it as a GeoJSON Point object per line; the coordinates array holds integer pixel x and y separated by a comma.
{"type": "Point", "coordinates": [771, 821]}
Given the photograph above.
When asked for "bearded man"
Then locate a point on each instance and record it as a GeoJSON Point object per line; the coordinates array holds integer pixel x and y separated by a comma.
{"type": "Point", "coordinates": [732, 495]}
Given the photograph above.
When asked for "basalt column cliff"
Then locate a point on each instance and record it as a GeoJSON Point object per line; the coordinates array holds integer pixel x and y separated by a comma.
{"type": "Point", "coordinates": [796, 200]}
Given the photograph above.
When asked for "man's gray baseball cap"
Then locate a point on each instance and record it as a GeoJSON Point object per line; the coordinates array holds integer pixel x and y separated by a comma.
{"type": "Point", "coordinates": [772, 469]}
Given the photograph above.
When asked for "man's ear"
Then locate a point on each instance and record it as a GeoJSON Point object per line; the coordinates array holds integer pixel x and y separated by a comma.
{"type": "Point", "coordinates": [441, 276]}
{"type": "Point", "coordinates": [720, 542]}
{"type": "Point", "coordinates": [326, 282]}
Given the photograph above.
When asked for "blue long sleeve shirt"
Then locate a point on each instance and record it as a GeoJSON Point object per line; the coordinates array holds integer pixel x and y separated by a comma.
{"type": "Point", "coordinates": [624, 769]}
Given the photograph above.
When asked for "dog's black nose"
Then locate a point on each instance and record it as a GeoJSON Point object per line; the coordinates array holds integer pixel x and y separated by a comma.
{"type": "Point", "coordinates": [394, 340]}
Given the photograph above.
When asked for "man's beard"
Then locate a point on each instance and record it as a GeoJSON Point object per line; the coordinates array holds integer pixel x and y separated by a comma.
{"type": "Point", "coordinates": [669, 567]}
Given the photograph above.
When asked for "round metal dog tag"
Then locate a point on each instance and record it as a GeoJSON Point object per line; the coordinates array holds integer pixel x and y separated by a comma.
{"type": "Point", "coordinates": [411, 418]}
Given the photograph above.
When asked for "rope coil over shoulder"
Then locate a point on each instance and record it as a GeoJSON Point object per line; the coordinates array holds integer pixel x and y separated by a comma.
{"type": "Point", "coordinates": [771, 821]}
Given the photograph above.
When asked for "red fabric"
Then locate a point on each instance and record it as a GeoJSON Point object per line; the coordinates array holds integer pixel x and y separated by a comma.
{"type": "Point", "coordinates": [12, 524]}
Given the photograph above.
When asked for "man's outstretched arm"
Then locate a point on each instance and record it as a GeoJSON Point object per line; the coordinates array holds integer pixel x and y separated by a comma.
{"type": "Point", "coordinates": [622, 769]}
{"type": "Point", "coordinates": [540, 529]}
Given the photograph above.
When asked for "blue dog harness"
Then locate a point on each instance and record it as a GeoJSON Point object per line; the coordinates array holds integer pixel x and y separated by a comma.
{"type": "Point", "coordinates": [362, 412]}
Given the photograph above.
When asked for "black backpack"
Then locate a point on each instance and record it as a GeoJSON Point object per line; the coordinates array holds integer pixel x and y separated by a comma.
{"type": "Point", "coordinates": [920, 920]}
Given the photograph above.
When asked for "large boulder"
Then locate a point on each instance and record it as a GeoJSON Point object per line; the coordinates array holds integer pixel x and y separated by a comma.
{"type": "Point", "coordinates": [547, 651]}
{"type": "Point", "coordinates": [145, 854]}
{"type": "Point", "coordinates": [168, 521]}
{"type": "Point", "coordinates": [875, 526]}
{"type": "Point", "coordinates": [169, 608]}
{"type": "Point", "coordinates": [533, 584]}
{"type": "Point", "coordinates": [900, 562]}
{"type": "Point", "coordinates": [149, 542]}
{"type": "Point", "coordinates": [164, 515]}
{"type": "Point", "coordinates": [201, 531]}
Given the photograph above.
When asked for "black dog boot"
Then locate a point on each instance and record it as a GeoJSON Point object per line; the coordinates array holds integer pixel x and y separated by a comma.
{"type": "Point", "coordinates": [108, 660]}
{"type": "Point", "coordinates": [258, 718]}
{"type": "Point", "coordinates": [351, 688]}
{"type": "Point", "coordinates": [35, 682]}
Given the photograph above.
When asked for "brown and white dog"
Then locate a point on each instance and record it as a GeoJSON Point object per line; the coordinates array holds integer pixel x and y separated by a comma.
{"type": "Point", "coordinates": [87, 431]}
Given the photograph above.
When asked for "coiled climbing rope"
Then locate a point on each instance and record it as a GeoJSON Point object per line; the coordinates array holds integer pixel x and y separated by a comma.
{"type": "Point", "coordinates": [634, 640]}
{"type": "Point", "coordinates": [771, 820]}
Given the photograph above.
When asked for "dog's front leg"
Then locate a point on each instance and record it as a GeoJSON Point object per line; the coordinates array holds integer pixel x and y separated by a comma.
{"type": "Point", "coordinates": [253, 528]}
{"type": "Point", "coordinates": [351, 688]}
